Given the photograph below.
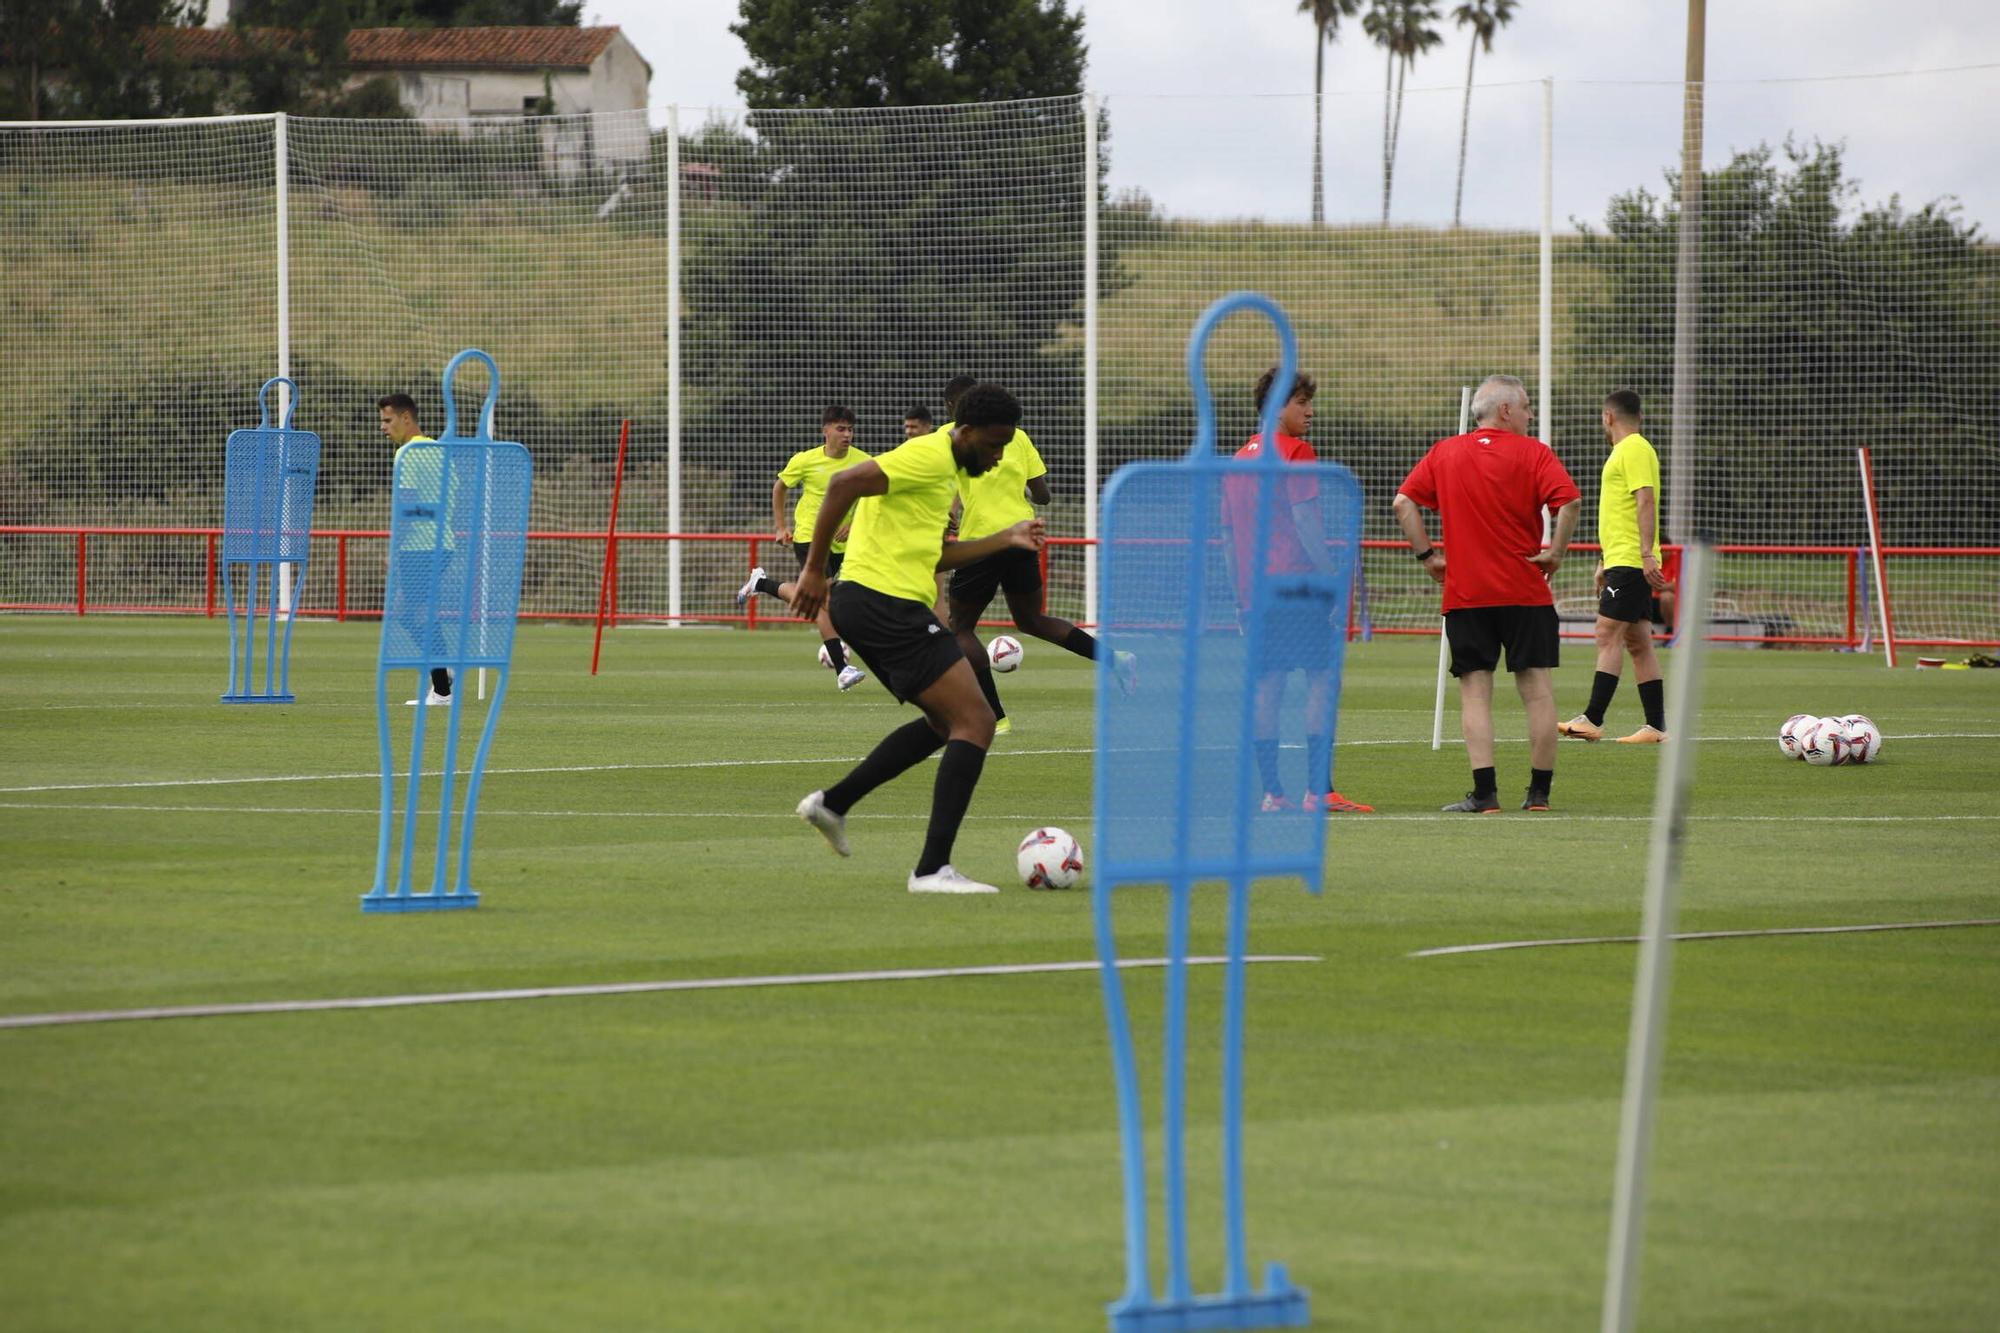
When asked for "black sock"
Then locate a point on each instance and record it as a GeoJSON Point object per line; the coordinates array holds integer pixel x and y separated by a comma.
{"type": "Point", "coordinates": [1267, 765]}
{"type": "Point", "coordinates": [1484, 783]}
{"type": "Point", "coordinates": [441, 680]}
{"type": "Point", "coordinates": [1541, 779]}
{"type": "Point", "coordinates": [1602, 686]}
{"type": "Point", "coordinates": [983, 673]}
{"type": "Point", "coordinates": [958, 774]}
{"type": "Point", "coordinates": [1653, 698]}
{"type": "Point", "coordinates": [897, 753]}
{"type": "Point", "coordinates": [1081, 642]}
{"type": "Point", "coordinates": [769, 585]}
{"type": "Point", "coordinates": [1319, 763]}
{"type": "Point", "coordinates": [836, 653]}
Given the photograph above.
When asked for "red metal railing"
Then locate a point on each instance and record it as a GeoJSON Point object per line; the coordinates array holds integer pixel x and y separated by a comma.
{"type": "Point", "coordinates": [755, 545]}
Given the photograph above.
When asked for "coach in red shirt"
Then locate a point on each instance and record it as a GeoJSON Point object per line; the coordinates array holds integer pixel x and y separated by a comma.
{"type": "Point", "coordinates": [1490, 487]}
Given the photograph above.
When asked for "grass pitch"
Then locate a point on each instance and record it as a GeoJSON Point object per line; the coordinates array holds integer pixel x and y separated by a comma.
{"type": "Point", "coordinates": [1430, 1140]}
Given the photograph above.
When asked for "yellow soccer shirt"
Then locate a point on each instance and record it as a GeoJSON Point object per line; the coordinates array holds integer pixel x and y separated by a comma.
{"type": "Point", "coordinates": [1633, 466]}
{"type": "Point", "coordinates": [896, 537]}
{"type": "Point", "coordinates": [998, 499]}
{"type": "Point", "coordinates": [810, 470]}
{"type": "Point", "coordinates": [423, 479]}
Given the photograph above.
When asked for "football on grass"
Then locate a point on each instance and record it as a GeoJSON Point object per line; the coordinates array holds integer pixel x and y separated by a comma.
{"type": "Point", "coordinates": [1824, 743]}
{"type": "Point", "coordinates": [1049, 859]}
{"type": "Point", "coordinates": [1788, 735]}
{"type": "Point", "coordinates": [1864, 738]}
{"type": "Point", "coordinates": [1004, 652]}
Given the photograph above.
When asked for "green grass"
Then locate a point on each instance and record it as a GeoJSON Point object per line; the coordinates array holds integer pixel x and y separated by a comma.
{"type": "Point", "coordinates": [1430, 1140]}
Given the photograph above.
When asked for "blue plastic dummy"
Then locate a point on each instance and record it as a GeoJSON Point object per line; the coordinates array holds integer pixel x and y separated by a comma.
{"type": "Point", "coordinates": [1208, 577]}
{"type": "Point", "coordinates": [458, 537]}
{"type": "Point", "coordinates": [268, 480]}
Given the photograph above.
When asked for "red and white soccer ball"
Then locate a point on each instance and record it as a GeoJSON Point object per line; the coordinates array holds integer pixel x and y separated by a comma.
{"type": "Point", "coordinates": [1864, 738]}
{"type": "Point", "coordinates": [1824, 743]}
{"type": "Point", "coordinates": [1788, 735]}
{"type": "Point", "coordinates": [826, 658]}
{"type": "Point", "coordinates": [1049, 858]}
{"type": "Point", "coordinates": [1004, 652]}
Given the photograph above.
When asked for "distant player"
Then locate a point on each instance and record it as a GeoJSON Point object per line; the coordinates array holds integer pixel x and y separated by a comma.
{"type": "Point", "coordinates": [917, 421]}
{"type": "Point", "coordinates": [1293, 640]}
{"type": "Point", "coordinates": [993, 503]}
{"type": "Point", "coordinates": [397, 413]}
{"type": "Point", "coordinates": [881, 606]}
{"type": "Point", "coordinates": [1628, 576]}
{"type": "Point", "coordinates": [810, 470]}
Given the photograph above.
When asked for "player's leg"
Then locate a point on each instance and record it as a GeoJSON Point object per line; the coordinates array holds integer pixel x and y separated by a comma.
{"type": "Point", "coordinates": [1625, 598]}
{"type": "Point", "coordinates": [1638, 641]}
{"type": "Point", "coordinates": [1021, 580]}
{"type": "Point", "coordinates": [1321, 794]}
{"type": "Point", "coordinates": [972, 589]}
{"type": "Point", "coordinates": [954, 706]}
{"type": "Point", "coordinates": [1267, 706]}
{"type": "Point", "coordinates": [1475, 652]}
{"type": "Point", "coordinates": [1534, 648]}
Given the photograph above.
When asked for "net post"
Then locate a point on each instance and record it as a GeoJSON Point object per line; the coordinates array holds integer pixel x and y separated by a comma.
{"type": "Point", "coordinates": [675, 486]}
{"type": "Point", "coordinates": [1653, 982]}
{"type": "Point", "coordinates": [1545, 362]}
{"type": "Point", "coordinates": [1444, 648]}
{"type": "Point", "coordinates": [1091, 462]}
{"type": "Point", "coordinates": [1875, 554]}
{"type": "Point", "coordinates": [281, 590]}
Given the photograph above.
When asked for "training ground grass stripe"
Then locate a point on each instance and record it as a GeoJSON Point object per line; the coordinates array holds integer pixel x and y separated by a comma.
{"type": "Point", "coordinates": [1769, 932]}
{"type": "Point", "coordinates": [785, 762]}
{"type": "Point", "coordinates": [608, 988]}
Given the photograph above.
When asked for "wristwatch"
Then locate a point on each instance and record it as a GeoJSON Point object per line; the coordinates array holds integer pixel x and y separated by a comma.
{"type": "Point", "coordinates": [1424, 554]}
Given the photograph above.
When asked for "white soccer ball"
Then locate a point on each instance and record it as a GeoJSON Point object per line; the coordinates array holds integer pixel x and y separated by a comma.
{"type": "Point", "coordinates": [1049, 858]}
{"type": "Point", "coordinates": [1788, 735]}
{"type": "Point", "coordinates": [1864, 738]}
{"type": "Point", "coordinates": [1824, 743]}
{"type": "Point", "coordinates": [826, 658]}
{"type": "Point", "coordinates": [1004, 652]}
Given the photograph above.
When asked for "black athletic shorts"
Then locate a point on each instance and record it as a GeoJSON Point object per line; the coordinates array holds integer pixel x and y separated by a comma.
{"type": "Point", "coordinates": [1530, 634]}
{"type": "Point", "coordinates": [900, 640]}
{"type": "Point", "coordinates": [1014, 569]}
{"type": "Point", "coordinates": [799, 549]}
{"type": "Point", "coordinates": [1626, 595]}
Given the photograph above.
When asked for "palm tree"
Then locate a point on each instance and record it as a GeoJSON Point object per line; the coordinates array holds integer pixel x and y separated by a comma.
{"type": "Point", "coordinates": [1484, 17]}
{"type": "Point", "coordinates": [1326, 16]}
{"type": "Point", "coordinates": [1402, 29]}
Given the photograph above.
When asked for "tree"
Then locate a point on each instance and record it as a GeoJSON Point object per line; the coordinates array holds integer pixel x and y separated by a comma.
{"type": "Point", "coordinates": [90, 60]}
{"type": "Point", "coordinates": [1826, 323]}
{"type": "Point", "coordinates": [1484, 17]}
{"type": "Point", "coordinates": [1402, 29]}
{"type": "Point", "coordinates": [1326, 17]}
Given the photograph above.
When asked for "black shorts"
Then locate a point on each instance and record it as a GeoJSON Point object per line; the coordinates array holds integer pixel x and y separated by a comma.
{"type": "Point", "coordinates": [799, 549]}
{"type": "Point", "coordinates": [1016, 570]}
{"type": "Point", "coordinates": [900, 640]}
{"type": "Point", "coordinates": [1626, 595]}
{"type": "Point", "coordinates": [1530, 634]}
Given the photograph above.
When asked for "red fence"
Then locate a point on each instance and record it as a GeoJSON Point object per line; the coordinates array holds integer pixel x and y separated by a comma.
{"type": "Point", "coordinates": [1946, 596]}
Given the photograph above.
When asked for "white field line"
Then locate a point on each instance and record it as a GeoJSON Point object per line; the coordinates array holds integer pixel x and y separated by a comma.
{"type": "Point", "coordinates": [611, 988]}
{"type": "Point", "coordinates": [1706, 935]}
{"type": "Point", "coordinates": [376, 775]}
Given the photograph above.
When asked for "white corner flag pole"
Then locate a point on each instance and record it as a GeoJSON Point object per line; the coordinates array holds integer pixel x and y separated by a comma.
{"type": "Point", "coordinates": [1874, 515]}
{"type": "Point", "coordinates": [1654, 982]}
{"type": "Point", "coordinates": [1444, 649]}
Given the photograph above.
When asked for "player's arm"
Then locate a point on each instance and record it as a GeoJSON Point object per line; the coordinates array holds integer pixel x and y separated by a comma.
{"type": "Point", "coordinates": [1038, 490]}
{"type": "Point", "coordinates": [1410, 518]}
{"type": "Point", "coordinates": [1027, 535]}
{"type": "Point", "coordinates": [1649, 527]}
{"type": "Point", "coordinates": [779, 527]}
{"type": "Point", "coordinates": [847, 486]}
{"type": "Point", "coordinates": [1307, 523]}
{"type": "Point", "coordinates": [1549, 559]}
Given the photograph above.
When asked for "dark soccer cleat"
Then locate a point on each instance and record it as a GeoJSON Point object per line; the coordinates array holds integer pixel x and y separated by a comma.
{"type": "Point", "coordinates": [1536, 799]}
{"type": "Point", "coordinates": [1474, 804]}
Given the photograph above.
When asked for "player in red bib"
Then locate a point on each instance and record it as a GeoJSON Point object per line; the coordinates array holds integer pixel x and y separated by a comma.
{"type": "Point", "coordinates": [1294, 641]}
{"type": "Point", "coordinates": [1490, 486]}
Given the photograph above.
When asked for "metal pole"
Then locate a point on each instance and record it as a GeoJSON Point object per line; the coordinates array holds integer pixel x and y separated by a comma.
{"type": "Point", "coordinates": [1545, 371]}
{"type": "Point", "coordinates": [674, 483]}
{"type": "Point", "coordinates": [1654, 980]}
{"type": "Point", "coordinates": [1090, 459]}
{"type": "Point", "coordinates": [282, 156]}
{"type": "Point", "coordinates": [1680, 481]}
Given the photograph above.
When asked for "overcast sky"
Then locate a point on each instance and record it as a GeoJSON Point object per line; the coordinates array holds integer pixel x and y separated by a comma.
{"type": "Point", "coordinates": [1211, 110]}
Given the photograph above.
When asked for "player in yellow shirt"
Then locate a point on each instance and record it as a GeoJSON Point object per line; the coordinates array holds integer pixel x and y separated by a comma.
{"type": "Point", "coordinates": [993, 502]}
{"type": "Point", "coordinates": [881, 606]}
{"type": "Point", "coordinates": [810, 470]}
{"type": "Point", "coordinates": [1628, 574]}
{"type": "Point", "coordinates": [397, 414]}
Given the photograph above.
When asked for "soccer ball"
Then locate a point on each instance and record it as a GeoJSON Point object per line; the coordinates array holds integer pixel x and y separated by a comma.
{"type": "Point", "coordinates": [1824, 743]}
{"type": "Point", "coordinates": [1004, 652]}
{"type": "Point", "coordinates": [1049, 858]}
{"type": "Point", "coordinates": [826, 658]}
{"type": "Point", "coordinates": [1788, 735]}
{"type": "Point", "coordinates": [1864, 738]}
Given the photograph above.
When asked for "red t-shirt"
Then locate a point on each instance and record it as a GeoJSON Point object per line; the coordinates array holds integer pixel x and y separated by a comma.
{"type": "Point", "coordinates": [1239, 511]}
{"type": "Point", "coordinates": [1489, 486]}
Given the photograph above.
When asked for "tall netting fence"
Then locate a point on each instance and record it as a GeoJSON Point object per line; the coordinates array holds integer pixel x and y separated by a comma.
{"type": "Point", "coordinates": [862, 258]}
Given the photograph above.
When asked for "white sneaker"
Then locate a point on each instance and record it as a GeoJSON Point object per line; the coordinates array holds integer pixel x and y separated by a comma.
{"type": "Point", "coordinates": [832, 827]}
{"type": "Point", "coordinates": [432, 699]}
{"type": "Point", "coordinates": [947, 880]}
{"type": "Point", "coordinates": [850, 676]}
{"type": "Point", "coordinates": [749, 588]}
{"type": "Point", "coordinates": [1125, 670]}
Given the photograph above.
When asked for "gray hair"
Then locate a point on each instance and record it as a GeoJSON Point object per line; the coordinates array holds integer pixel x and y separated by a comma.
{"type": "Point", "coordinates": [1494, 393]}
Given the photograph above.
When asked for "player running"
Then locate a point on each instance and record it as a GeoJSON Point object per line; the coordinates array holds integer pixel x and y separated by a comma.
{"type": "Point", "coordinates": [810, 470]}
{"type": "Point", "coordinates": [881, 606]}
